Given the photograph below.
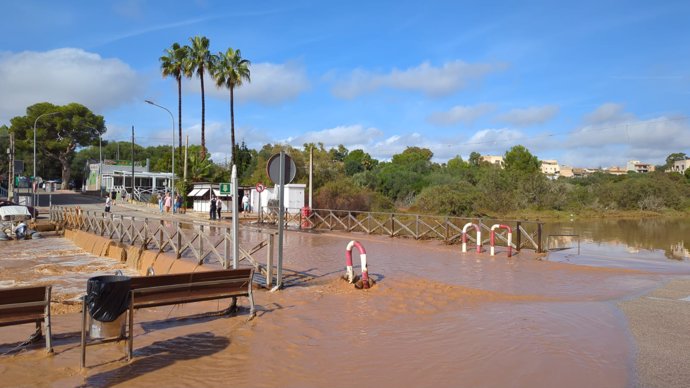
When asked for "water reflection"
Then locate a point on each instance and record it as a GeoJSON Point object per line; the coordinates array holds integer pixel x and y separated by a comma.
{"type": "Point", "coordinates": [664, 235]}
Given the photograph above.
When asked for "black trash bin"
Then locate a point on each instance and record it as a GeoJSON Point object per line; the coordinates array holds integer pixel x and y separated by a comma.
{"type": "Point", "coordinates": [107, 298]}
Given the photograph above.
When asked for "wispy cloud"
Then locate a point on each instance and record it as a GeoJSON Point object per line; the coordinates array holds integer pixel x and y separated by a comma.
{"type": "Point", "coordinates": [529, 116]}
{"type": "Point", "coordinates": [425, 78]}
{"type": "Point", "coordinates": [354, 136]}
{"type": "Point", "coordinates": [271, 83]}
{"type": "Point", "coordinates": [160, 27]}
{"type": "Point", "coordinates": [460, 114]}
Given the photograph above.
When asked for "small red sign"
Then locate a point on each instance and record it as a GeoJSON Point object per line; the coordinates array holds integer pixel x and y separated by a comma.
{"type": "Point", "coordinates": [260, 187]}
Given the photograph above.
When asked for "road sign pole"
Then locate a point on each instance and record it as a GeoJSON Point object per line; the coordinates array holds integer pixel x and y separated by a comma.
{"type": "Point", "coordinates": [281, 217]}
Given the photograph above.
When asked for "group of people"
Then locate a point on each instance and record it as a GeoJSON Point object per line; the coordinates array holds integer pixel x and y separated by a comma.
{"type": "Point", "coordinates": [166, 203]}
{"type": "Point", "coordinates": [216, 206]}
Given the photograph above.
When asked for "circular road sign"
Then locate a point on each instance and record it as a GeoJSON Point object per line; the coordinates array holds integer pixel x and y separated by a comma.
{"type": "Point", "coordinates": [273, 169]}
{"type": "Point", "coordinates": [260, 187]}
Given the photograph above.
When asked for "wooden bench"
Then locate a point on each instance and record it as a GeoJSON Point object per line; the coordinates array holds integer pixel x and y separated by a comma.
{"type": "Point", "coordinates": [26, 305]}
{"type": "Point", "coordinates": [165, 290]}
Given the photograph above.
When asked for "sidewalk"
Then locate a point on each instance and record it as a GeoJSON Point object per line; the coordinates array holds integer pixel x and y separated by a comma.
{"type": "Point", "coordinates": [189, 214]}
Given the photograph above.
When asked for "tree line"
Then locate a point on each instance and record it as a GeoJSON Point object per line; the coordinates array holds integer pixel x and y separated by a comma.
{"type": "Point", "coordinates": [354, 180]}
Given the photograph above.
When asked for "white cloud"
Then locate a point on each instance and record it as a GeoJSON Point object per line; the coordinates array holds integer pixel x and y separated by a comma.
{"type": "Point", "coordinates": [608, 113]}
{"type": "Point", "coordinates": [63, 76]}
{"type": "Point", "coordinates": [425, 78]}
{"type": "Point", "coordinates": [611, 137]}
{"type": "Point", "coordinates": [460, 114]}
{"type": "Point", "coordinates": [530, 116]}
{"type": "Point", "coordinates": [270, 84]}
{"type": "Point", "coordinates": [351, 136]}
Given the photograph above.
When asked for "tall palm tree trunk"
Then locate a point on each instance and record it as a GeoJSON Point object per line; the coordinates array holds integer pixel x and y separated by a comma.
{"type": "Point", "coordinates": [232, 125]}
{"type": "Point", "coordinates": [203, 119]}
{"type": "Point", "coordinates": [179, 116]}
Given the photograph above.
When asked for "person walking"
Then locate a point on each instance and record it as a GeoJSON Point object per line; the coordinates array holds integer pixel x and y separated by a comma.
{"type": "Point", "coordinates": [178, 203]}
{"type": "Point", "coordinates": [245, 203]}
{"type": "Point", "coordinates": [108, 202]}
{"type": "Point", "coordinates": [212, 208]}
{"type": "Point", "coordinates": [160, 203]}
{"type": "Point", "coordinates": [168, 202]}
{"type": "Point", "coordinates": [219, 206]}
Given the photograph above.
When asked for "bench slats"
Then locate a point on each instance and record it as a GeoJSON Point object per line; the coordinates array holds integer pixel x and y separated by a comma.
{"type": "Point", "coordinates": [166, 290]}
{"type": "Point", "coordinates": [22, 305]}
{"type": "Point", "coordinates": [20, 319]}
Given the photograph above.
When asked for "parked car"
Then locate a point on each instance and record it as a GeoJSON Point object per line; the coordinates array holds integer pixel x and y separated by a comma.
{"type": "Point", "coordinates": [32, 209]}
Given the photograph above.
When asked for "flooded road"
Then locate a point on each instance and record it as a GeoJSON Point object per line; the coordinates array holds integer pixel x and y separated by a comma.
{"type": "Point", "coordinates": [436, 317]}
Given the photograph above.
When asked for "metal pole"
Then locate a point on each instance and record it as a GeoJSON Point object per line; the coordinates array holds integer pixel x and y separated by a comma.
{"type": "Point", "coordinates": [100, 166]}
{"type": "Point", "coordinates": [132, 197]}
{"type": "Point", "coordinates": [235, 220]}
{"type": "Point", "coordinates": [10, 175]}
{"type": "Point", "coordinates": [281, 217]}
{"type": "Point", "coordinates": [33, 198]}
{"type": "Point", "coordinates": [311, 173]}
{"type": "Point", "coordinates": [184, 193]}
{"type": "Point", "coordinates": [172, 184]}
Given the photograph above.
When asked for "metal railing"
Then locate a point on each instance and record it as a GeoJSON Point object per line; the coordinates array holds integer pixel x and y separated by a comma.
{"type": "Point", "coordinates": [199, 242]}
{"type": "Point", "coordinates": [528, 234]}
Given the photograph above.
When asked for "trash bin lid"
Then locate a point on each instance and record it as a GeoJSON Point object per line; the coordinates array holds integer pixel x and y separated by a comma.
{"type": "Point", "coordinates": [107, 297]}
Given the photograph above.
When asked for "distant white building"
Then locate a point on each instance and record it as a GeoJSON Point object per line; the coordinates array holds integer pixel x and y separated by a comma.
{"type": "Point", "coordinates": [294, 197]}
{"type": "Point", "coordinates": [495, 160]}
{"type": "Point", "coordinates": [681, 165]}
{"type": "Point", "coordinates": [551, 169]}
{"type": "Point", "coordinates": [637, 166]}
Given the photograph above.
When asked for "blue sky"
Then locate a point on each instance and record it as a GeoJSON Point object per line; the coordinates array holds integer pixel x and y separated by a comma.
{"type": "Point", "coordinates": [589, 83]}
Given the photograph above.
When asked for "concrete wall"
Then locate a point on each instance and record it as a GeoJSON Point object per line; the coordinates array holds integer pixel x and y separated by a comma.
{"type": "Point", "coordinates": [135, 257]}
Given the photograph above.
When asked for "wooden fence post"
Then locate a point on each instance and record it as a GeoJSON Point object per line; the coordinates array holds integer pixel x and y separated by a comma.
{"type": "Point", "coordinates": [392, 225]}
{"type": "Point", "coordinates": [200, 234]}
{"type": "Point", "coordinates": [160, 236]}
{"type": "Point", "coordinates": [226, 249]}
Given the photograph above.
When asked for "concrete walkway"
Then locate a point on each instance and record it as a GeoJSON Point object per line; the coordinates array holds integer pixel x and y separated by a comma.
{"type": "Point", "coordinates": [659, 323]}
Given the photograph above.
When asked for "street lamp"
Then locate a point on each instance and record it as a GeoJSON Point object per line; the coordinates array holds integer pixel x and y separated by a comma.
{"type": "Point", "coordinates": [33, 198]}
{"type": "Point", "coordinates": [172, 188]}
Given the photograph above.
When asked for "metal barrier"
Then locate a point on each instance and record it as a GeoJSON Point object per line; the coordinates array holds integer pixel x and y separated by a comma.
{"type": "Point", "coordinates": [478, 240]}
{"type": "Point", "coordinates": [510, 238]}
{"type": "Point", "coordinates": [349, 274]}
{"type": "Point", "coordinates": [416, 226]}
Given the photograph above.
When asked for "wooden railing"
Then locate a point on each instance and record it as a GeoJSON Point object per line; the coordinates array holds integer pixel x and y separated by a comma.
{"type": "Point", "coordinates": [200, 242]}
{"type": "Point", "coordinates": [528, 234]}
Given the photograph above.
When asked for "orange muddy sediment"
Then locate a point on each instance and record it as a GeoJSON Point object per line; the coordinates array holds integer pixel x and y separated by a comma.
{"type": "Point", "coordinates": [435, 317]}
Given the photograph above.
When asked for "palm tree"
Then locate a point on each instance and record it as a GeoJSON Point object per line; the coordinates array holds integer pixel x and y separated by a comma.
{"type": "Point", "coordinates": [198, 60]}
{"type": "Point", "coordinates": [173, 65]}
{"type": "Point", "coordinates": [230, 70]}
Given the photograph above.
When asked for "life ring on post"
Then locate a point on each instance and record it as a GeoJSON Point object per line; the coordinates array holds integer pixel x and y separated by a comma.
{"type": "Point", "coordinates": [510, 238]}
{"type": "Point", "coordinates": [364, 282]}
{"type": "Point", "coordinates": [464, 237]}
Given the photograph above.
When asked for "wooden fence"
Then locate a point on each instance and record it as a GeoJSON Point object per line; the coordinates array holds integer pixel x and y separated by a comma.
{"type": "Point", "coordinates": [527, 234]}
{"type": "Point", "coordinates": [200, 242]}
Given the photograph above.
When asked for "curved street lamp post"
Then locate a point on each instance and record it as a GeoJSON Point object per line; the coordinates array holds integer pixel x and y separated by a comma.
{"type": "Point", "coordinates": [172, 184]}
{"type": "Point", "coordinates": [34, 197]}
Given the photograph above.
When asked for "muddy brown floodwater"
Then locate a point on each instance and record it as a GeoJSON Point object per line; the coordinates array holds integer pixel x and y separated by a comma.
{"type": "Point", "coordinates": [435, 318]}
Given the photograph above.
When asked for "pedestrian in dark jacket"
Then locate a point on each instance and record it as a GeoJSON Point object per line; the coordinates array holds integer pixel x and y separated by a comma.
{"type": "Point", "coordinates": [212, 207]}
